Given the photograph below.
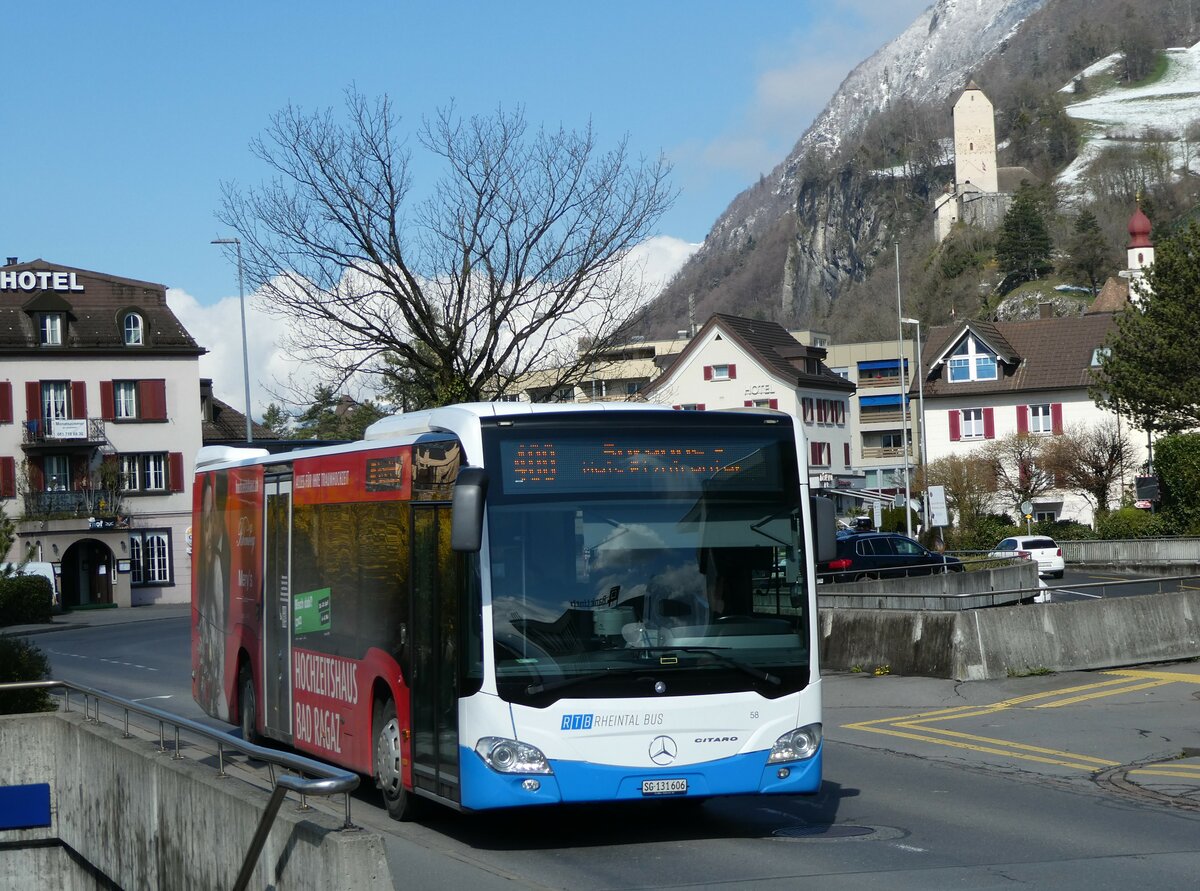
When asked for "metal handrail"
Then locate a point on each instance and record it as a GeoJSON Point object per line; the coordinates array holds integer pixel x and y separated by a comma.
{"type": "Point", "coordinates": [329, 780]}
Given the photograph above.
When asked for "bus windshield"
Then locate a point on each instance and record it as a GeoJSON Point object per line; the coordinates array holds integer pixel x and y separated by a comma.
{"type": "Point", "coordinates": [696, 576]}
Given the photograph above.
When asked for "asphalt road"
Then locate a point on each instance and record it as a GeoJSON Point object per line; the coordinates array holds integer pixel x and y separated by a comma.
{"type": "Point", "coordinates": [928, 784]}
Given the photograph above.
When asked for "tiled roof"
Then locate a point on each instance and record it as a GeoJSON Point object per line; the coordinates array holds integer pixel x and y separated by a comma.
{"type": "Point", "coordinates": [228, 425]}
{"type": "Point", "coordinates": [1050, 354]}
{"type": "Point", "coordinates": [774, 348]}
{"type": "Point", "coordinates": [94, 316]}
{"type": "Point", "coordinates": [1113, 297]}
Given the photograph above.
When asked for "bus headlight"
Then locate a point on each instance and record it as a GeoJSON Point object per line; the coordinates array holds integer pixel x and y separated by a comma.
{"type": "Point", "coordinates": [510, 756]}
{"type": "Point", "coordinates": [796, 745]}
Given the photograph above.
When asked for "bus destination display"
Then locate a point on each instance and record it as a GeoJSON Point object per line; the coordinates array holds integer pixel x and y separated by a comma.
{"type": "Point", "coordinates": [575, 465]}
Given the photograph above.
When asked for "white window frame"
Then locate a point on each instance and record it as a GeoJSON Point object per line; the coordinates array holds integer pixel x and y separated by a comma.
{"type": "Point", "coordinates": [50, 329]}
{"type": "Point", "coordinates": [56, 473]}
{"type": "Point", "coordinates": [150, 557]}
{"type": "Point", "coordinates": [133, 330]}
{"type": "Point", "coordinates": [155, 467]}
{"type": "Point", "coordinates": [125, 407]}
{"type": "Point", "coordinates": [1041, 419]}
{"type": "Point", "coordinates": [56, 400]}
{"type": "Point", "coordinates": [971, 426]}
{"type": "Point", "coordinates": [131, 473]}
{"type": "Point", "coordinates": [972, 359]}
{"type": "Point", "coordinates": [720, 372]}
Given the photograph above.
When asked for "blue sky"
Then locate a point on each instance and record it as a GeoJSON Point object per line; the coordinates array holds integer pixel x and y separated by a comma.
{"type": "Point", "coordinates": [123, 119]}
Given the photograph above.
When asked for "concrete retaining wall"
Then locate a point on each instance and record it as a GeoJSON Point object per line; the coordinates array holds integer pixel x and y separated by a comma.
{"type": "Point", "coordinates": [147, 821]}
{"type": "Point", "coordinates": [942, 591]}
{"type": "Point", "coordinates": [994, 643]}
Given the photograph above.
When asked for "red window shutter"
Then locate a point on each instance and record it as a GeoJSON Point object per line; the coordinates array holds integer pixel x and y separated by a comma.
{"type": "Point", "coordinates": [989, 423]}
{"type": "Point", "coordinates": [33, 400]}
{"type": "Point", "coordinates": [677, 407]}
{"type": "Point", "coordinates": [773, 403]}
{"type": "Point", "coordinates": [175, 471]}
{"type": "Point", "coordinates": [152, 400]}
{"type": "Point", "coordinates": [108, 406]}
{"type": "Point", "coordinates": [79, 399]}
{"type": "Point", "coordinates": [732, 372]}
{"type": "Point", "coordinates": [1056, 422]}
{"type": "Point", "coordinates": [821, 403]}
{"type": "Point", "coordinates": [708, 372]}
{"type": "Point", "coordinates": [699, 406]}
{"type": "Point", "coordinates": [749, 403]}
{"type": "Point", "coordinates": [814, 453]}
{"type": "Point", "coordinates": [8, 477]}
{"type": "Point", "coordinates": [6, 406]}
{"type": "Point", "coordinates": [955, 426]}
{"type": "Point", "coordinates": [37, 480]}
{"type": "Point", "coordinates": [1022, 418]}
{"type": "Point", "coordinates": [846, 451]}
{"type": "Point", "coordinates": [1023, 474]}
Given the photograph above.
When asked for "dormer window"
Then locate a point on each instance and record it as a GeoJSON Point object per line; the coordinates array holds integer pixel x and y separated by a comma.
{"type": "Point", "coordinates": [972, 361]}
{"type": "Point", "coordinates": [50, 328]}
{"type": "Point", "coordinates": [133, 330]}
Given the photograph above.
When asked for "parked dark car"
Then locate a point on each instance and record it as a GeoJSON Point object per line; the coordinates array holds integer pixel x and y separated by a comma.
{"type": "Point", "coordinates": [883, 555]}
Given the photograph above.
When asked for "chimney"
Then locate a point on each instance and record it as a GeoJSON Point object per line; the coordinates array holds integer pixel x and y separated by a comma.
{"type": "Point", "coordinates": [1045, 310]}
{"type": "Point", "coordinates": [12, 261]}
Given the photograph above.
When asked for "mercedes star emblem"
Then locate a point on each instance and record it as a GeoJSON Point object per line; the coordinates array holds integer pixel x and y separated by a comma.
{"type": "Point", "coordinates": [663, 750]}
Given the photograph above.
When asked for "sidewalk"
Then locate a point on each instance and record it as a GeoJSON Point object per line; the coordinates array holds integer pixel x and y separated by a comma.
{"type": "Point", "coordinates": [91, 618]}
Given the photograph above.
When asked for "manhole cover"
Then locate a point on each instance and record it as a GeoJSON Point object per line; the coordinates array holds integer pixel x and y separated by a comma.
{"type": "Point", "coordinates": [837, 830]}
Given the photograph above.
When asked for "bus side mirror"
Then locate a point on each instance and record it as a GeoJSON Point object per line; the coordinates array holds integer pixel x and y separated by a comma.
{"type": "Point", "coordinates": [466, 525]}
{"type": "Point", "coordinates": [824, 528]}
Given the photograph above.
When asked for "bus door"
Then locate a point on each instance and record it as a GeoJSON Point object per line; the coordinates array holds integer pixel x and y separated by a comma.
{"type": "Point", "coordinates": [434, 681]}
{"type": "Point", "coordinates": [277, 613]}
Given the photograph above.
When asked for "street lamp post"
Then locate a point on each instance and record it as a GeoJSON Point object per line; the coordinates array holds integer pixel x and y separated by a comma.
{"type": "Point", "coordinates": [924, 458]}
{"type": "Point", "coordinates": [245, 351]}
{"type": "Point", "coordinates": [903, 393]}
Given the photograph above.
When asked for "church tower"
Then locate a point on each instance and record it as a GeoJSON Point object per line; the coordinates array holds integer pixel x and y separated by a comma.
{"type": "Point", "coordinates": [1140, 253]}
{"type": "Point", "coordinates": [975, 142]}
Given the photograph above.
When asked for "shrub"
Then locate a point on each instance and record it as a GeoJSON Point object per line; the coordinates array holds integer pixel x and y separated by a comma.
{"type": "Point", "coordinates": [22, 661]}
{"type": "Point", "coordinates": [982, 535]}
{"type": "Point", "coordinates": [25, 600]}
{"type": "Point", "coordinates": [1132, 522]}
{"type": "Point", "coordinates": [1064, 530]}
{"type": "Point", "coordinates": [1177, 463]}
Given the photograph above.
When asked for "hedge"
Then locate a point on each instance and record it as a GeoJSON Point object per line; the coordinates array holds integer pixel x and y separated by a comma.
{"type": "Point", "coordinates": [22, 661]}
{"type": "Point", "coordinates": [25, 600]}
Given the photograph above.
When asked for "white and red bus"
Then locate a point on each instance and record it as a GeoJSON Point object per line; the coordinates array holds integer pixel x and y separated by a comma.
{"type": "Point", "coordinates": [499, 605]}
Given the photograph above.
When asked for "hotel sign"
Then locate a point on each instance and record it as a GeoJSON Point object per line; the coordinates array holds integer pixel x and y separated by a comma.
{"type": "Point", "coordinates": [38, 280]}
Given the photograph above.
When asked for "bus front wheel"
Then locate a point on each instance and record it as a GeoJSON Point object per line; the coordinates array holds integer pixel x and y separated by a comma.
{"type": "Point", "coordinates": [389, 776]}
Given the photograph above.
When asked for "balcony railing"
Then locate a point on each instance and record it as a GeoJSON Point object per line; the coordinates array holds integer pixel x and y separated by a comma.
{"type": "Point", "coordinates": [885, 451]}
{"type": "Point", "coordinates": [872, 382]}
{"type": "Point", "coordinates": [46, 431]}
{"type": "Point", "coordinates": [86, 503]}
{"type": "Point", "coordinates": [879, 417]}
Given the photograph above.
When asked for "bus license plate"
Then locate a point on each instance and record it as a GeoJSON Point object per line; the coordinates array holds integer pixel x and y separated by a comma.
{"type": "Point", "coordinates": [664, 787]}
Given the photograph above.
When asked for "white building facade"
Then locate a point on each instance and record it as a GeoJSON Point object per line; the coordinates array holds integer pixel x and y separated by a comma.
{"type": "Point", "coordinates": [100, 423]}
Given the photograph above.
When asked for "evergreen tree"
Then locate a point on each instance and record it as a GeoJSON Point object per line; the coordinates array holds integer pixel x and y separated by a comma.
{"type": "Point", "coordinates": [1087, 251]}
{"type": "Point", "coordinates": [1149, 372]}
{"type": "Point", "coordinates": [1023, 249]}
{"type": "Point", "coordinates": [332, 416]}
{"type": "Point", "coordinates": [276, 419]}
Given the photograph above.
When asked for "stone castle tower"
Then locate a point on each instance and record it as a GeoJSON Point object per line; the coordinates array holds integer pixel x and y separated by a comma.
{"type": "Point", "coordinates": [982, 190]}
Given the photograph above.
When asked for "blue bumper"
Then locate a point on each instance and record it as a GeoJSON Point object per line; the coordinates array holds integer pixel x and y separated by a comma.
{"type": "Point", "coordinates": [578, 781]}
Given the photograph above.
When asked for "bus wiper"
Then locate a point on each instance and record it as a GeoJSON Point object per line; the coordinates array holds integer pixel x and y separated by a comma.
{"type": "Point", "coordinates": [752, 670]}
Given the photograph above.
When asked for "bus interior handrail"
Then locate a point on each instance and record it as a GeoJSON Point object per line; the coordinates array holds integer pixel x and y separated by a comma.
{"type": "Point", "coordinates": [325, 780]}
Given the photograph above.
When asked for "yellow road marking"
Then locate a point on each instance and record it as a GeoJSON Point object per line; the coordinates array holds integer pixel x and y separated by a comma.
{"type": "Point", "coordinates": [1109, 578]}
{"type": "Point", "coordinates": [902, 725]}
{"type": "Point", "coordinates": [1177, 677]}
{"type": "Point", "coordinates": [1166, 773]}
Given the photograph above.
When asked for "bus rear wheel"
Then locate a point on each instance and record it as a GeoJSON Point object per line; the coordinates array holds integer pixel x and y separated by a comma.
{"type": "Point", "coordinates": [389, 776]}
{"type": "Point", "coordinates": [247, 706]}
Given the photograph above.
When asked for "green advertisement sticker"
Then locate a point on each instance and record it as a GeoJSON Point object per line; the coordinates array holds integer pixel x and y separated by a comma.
{"type": "Point", "coordinates": [310, 611]}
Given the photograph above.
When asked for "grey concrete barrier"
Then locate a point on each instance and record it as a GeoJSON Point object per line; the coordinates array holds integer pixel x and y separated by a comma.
{"type": "Point", "coordinates": [940, 591]}
{"type": "Point", "coordinates": [146, 820]}
{"type": "Point", "coordinates": [1133, 552]}
{"type": "Point", "coordinates": [994, 643]}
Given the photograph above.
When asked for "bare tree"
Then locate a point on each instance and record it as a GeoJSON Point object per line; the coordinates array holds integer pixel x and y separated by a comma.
{"type": "Point", "coordinates": [516, 256]}
{"type": "Point", "coordinates": [970, 485]}
{"type": "Point", "coordinates": [1092, 459]}
{"type": "Point", "coordinates": [1019, 462]}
